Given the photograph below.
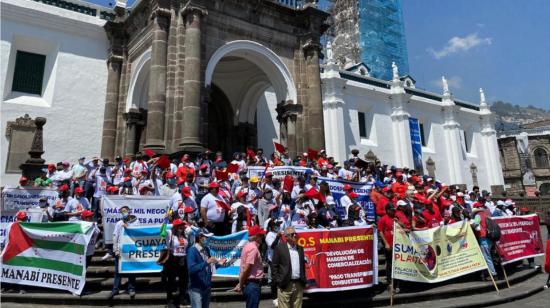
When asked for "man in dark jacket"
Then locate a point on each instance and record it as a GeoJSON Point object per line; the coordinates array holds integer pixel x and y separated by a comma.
{"type": "Point", "coordinates": [289, 271]}
{"type": "Point", "coordinates": [200, 266]}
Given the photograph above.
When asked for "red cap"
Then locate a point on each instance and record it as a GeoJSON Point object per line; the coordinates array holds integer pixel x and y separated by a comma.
{"type": "Point", "coordinates": [63, 187]}
{"type": "Point", "coordinates": [186, 191]}
{"type": "Point", "coordinates": [347, 187]}
{"type": "Point", "coordinates": [188, 209]}
{"type": "Point", "coordinates": [170, 175]}
{"type": "Point", "coordinates": [203, 166]}
{"type": "Point", "coordinates": [241, 194]}
{"type": "Point", "coordinates": [112, 189]}
{"type": "Point", "coordinates": [177, 222]}
{"type": "Point", "coordinates": [180, 181]}
{"type": "Point", "coordinates": [86, 213]}
{"type": "Point", "coordinates": [144, 171]}
{"type": "Point", "coordinates": [21, 215]}
{"type": "Point", "coordinates": [127, 171]}
{"type": "Point", "coordinates": [78, 190]}
{"type": "Point", "coordinates": [353, 195]}
{"type": "Point", "coordinates": [255, 230]}
{"type": "Point", "coordinates": [51, 167]}
{"type": "Point", "coordinates": [213, 185]}
{"type": "Point", "coordinates": [386, 189]}
{"type": "Point", "coordinates": [23, 179]}
{"type": "Point", "coordinates": [523, 210]}
{"type": "Point", "coordinates": [477, 204]}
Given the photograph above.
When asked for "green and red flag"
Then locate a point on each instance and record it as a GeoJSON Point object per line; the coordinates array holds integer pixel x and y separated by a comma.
{"type": "Point", "coordinates": [49, 255]}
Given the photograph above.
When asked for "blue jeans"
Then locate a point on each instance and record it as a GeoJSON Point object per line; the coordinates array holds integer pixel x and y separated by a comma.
{"type": "Point", "coordinates": [252, 292]}
{"type": "Point", "coordinates": [118, 280]}
{"type": "Point", "coordinates": [485, 245]}
{"type": "Point", "coordinates": [199, 298]}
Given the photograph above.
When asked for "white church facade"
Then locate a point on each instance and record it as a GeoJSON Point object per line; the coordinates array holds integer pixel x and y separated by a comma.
{"type": "Point", "coordinates": [452, 140]}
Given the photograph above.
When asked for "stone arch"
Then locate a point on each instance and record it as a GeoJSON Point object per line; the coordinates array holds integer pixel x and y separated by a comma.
{"type": "Point", "coordinates": [138, 92]}
{"type": "Point", "coordinates": [274, 68]}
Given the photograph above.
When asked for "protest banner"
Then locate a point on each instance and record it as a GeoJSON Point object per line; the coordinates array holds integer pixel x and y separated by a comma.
{"type": "Point", "coordinates": [15, 199]}
{"type": "Point", "coordinates": [227, 247]}
{"type": "Point", "coordinates": [520, 238]}
{"type": "Point", "coordinates": [436, 254]}
{"type": "Point", "coordinates": [336, 188]}
{"type": "Point", "coordinates": [339, 259]}
{"type": "Point", "coordinates": [140, 248]}
{"type": "Point", "coordinates": [149, 210]}
{"type": "Point", "coordinates": [49, 255]}
{"type": "Point", "coordinates": [278, 172]}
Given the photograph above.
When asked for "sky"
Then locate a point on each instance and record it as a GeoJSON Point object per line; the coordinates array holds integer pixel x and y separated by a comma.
{"type": "Point", "coordinates": [502, 46]}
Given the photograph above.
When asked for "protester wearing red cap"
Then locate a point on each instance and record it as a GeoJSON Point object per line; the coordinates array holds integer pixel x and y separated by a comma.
{"type": "Point", "coordinates": [75, 206]}
{"type": "Point", "coordinates": [176, 265]}
{"type": "Point", "coordinates": [23, 181]}
{"type": "Point", "coordinates": [399, 187]}
{"type": "Point", "coordinates": [346, 200]}
{"type": "Point", "coordinates": [481, 215]}
{"type": "Point", "coordinates": [252, 269]}
{"type": "Point", "coordinates": [242, 213]}
{"type": "Point", "coordinates": [212, 213]}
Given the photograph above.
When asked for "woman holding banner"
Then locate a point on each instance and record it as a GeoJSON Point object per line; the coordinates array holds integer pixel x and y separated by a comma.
{"type": "Point", "coordinates": [176, 266]}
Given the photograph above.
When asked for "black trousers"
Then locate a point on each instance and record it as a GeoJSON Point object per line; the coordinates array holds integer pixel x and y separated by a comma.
{"type": "Point", "coordinates": [176, 268]}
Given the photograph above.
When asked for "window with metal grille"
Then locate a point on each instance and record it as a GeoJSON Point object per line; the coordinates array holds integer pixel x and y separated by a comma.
{"type": "Point", "coordinates": [28, 73]}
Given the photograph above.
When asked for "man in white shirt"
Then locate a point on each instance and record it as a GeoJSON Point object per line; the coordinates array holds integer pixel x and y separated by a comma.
{"type": "Point", "coordinates": [127, 220]}
{"type": "Point", "coordinates": [212, 211]}
{"type": "Point", "coordinates": [75, 206]}
{"type": "Point", "coordinates": [346, 201]}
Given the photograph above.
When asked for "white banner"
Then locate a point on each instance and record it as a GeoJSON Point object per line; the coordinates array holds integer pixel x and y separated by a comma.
{"type": "Point", "coordinates": [150, 210]}
{"type": "Point", "coordinates": [278, 172]}
{"type": "Point", "coordinates": [15, 199]}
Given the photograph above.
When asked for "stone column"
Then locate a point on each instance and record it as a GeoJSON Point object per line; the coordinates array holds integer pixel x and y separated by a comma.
{"type": "Point", "coordinates": [287, 115]}
{"type": "Point", "coordinates": [157, 81]}
{"type": "Point", "coordinates": [108, 139]}
{"type": "Point", "coordinates": [334, 108]}
{"type": "Point", "coordinates": [490, 146]}
{"type": "Point", "coordinates": [134, 118]}
{"type": "Point", "coordinates": [192, 79]}
{"type": "Point", "coordinates": [314, 126]}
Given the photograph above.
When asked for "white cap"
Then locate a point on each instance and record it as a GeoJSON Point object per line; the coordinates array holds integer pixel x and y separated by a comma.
{"type": "Point", "coordinates": [401, 203]}
{"type": "Point", "coordinates": [500, 202]}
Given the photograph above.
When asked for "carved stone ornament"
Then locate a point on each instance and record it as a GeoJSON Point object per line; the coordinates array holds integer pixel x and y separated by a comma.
{"type": "Point", "coordinates": [23, 123]}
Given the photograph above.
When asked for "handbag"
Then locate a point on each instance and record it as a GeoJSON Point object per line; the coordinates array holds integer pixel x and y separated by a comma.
{"type": "Point", "coordinates": [165, 253]}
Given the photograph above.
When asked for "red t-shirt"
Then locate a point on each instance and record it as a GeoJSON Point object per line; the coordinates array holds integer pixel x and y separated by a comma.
{"type": "Point", "coordinates": [402, 218]}
{"type": "Point", "coordinates": [381, 206]}
{"type": "Point", "coordinates": [385, 226]}
{"type": "Point", "coordinates": [432, 220]}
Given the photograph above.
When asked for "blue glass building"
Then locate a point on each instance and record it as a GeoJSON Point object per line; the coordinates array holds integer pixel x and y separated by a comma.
{"type": "Point", "coordinates": [382, 37]}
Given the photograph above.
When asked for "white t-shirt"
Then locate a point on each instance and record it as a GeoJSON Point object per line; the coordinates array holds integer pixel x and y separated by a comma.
{"type": "Point", "coordinates": [178, 245]}
{"type": "Point", "coordinates": [214, 213]}
{"type": "Point", "coordinates": [345, 202]}
{"type": "Point", "coordinates": [76, 205]}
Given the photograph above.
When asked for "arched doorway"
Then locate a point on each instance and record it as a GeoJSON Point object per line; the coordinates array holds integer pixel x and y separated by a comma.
{"type": "Point", "coordinates": [247, 81]}
{"type": "Point", "coordinates": [136, 105]}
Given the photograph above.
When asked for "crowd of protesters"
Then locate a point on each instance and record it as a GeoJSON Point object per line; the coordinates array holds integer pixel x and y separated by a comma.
{"type": "Point", "coordinates": [216, 196]}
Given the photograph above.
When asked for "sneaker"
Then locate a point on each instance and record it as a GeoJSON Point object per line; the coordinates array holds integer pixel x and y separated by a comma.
{"type": "Point", "coordinates": [275, 303]}
{"type": "Point", "coordinates": [106, 256]}
{"type": "Point", "coordinates": [111, 295]}
{"type": "Point", "coordinates": [132, 294]}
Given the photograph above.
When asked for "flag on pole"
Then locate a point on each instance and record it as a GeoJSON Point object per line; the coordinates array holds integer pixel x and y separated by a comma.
{"type": "Point", "coordinates": [279, 147]}
{"type": "Point", "coordinates": [49, 255]}
{"type": "Point", "coordinates": [250, 153]}
{"type": "Point", "coordinates": [311, 153]}
{"type": "Point", "coordinates": [164, 162]}
{"type": "Point", "coordinates": [149, 152]}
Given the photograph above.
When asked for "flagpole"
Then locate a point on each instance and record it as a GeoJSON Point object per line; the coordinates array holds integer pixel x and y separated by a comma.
{"type": "Point", "coordinates": [505, 275]}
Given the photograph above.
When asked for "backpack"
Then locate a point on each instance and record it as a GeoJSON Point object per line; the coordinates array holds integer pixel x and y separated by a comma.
{"type": "Point", "coordinates": [493, 229]}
